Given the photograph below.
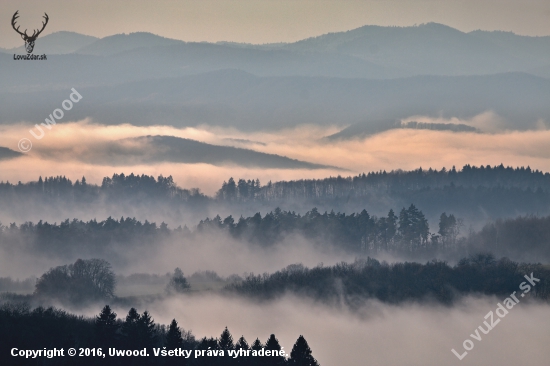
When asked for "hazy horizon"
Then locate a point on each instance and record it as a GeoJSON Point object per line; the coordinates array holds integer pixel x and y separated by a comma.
{"type": "Point", "coordinates": [260, 22]}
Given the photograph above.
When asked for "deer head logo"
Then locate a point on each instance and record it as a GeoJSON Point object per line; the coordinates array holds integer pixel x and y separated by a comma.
{"type": "Point", "coordinates": [29, 40]}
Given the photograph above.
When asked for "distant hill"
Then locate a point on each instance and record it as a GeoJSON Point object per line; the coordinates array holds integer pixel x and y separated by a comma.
{"type": "Point", "coordinates": [6, 153]}
{"type": "Point", "coordinates": [434, 49]}
{"type": "Point", "coordinates": [366, 52]}
{"type": "Point", "coordinates": [172, 61]}
{"type": "Point", "coordinates": [125, 42]}
{"type": "Point", "coordinates": [233, 98]}
{"type": "Point", "coordinates": [367, 79]}
{"type": "Point", "coordinates": [156, 149]}
{"type": "Point", "coordinates": [58, 43]}
{"type": "Point", "coordinates": [367, 128]}
{"type": "Point", "coordinates": [369, 52]}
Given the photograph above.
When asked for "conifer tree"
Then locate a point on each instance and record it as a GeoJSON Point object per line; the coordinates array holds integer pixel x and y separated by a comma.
{"type": "Point", "coordinates": [146, 330]}
{"type": "Point", "coordinates": [178, 283]}
{"type": "Point", "coordinates": [130, 328]}
{"type": "Point", "coordinates": [272, 344]}
{"type": "Point", "coordinates": [226, 341]}
{"type": "Point", "coordinates": [174, 340]}
{"type": "Point", "coordinates": [106, 327]}
{"type": "Point", "coordinates": [256, 346]}
{"type": "Point", "coordinates": [242, 344]}
{"type": "Point", "coordinates": [301, 354]}
{"type": "Point", "coordinates": [173, 337]}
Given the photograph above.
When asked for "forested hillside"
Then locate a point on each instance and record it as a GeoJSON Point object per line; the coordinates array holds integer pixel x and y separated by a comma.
{"type": "Point", "coordinates": [104, 339]}
{"type": "Point", "coordinates": [352, 283]}
{"type": "Point", "coordinates": [476, 194]}
{"type": "Point", "coordinates": [403, 232]}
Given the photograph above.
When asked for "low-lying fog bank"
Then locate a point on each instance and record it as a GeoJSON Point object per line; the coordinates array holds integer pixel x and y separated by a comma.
{"type": "Point", "coordinates": [378, 334]}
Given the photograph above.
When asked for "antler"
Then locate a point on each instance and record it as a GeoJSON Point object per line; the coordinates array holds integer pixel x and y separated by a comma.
{"type": "Point", "coordinates": [13, 20]}
{"type": "Point", "coordinates": [35, 34]}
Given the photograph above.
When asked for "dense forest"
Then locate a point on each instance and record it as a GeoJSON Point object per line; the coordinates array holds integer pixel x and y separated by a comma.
{"type": "Point", "coordinates": [475, 193]}
{"type": "Point", "coordinates": [405, 232]}
{"type": "Point", "coordinates": [394, 181]}
{"type": "Point", "coordinates": [104, 339]}
{"type": "Point", "coordinates": [118, 187]}
{"type": "Point", "coordinates": [352, 283]}
{"type": "Point", "coordinates": [420, 219]}
{"type": "Point", "coordinates": [121, 186]}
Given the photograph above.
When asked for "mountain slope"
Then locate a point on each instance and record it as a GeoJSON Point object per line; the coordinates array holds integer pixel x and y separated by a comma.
{"type": "Point", "coordinates": [238, 99]}
{"type": "Point", "coordinates": [434, 49]}
{"type": "Point", "coordinates": [6, 153]}
{"type": "Point", "coordinates": [58, 43]}
{"type": "Point", "coordinates": [173, 61]}
{"type": "Point", "coordinates": [125, 42]}
{"type": "Point", "coordinates": [157, 149]}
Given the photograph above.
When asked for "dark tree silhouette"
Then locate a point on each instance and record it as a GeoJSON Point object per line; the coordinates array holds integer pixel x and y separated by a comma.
{"type": "Point", "coordinates": [84, 280]}
{"type": "Point", "coordinates": [272, 344]}
{"type": "Point", "coordinates": [174, 340]}
{"type": "Point", "coordinates": [130, 328]}
{"type": "Point", "coordinates": [225, 343]}
{"type": "Point", "coordinates": [242, 344]}
{"type": "Point", "coordinates": [106, 327]}
{"type": "Point", "coordinates": [226, 340]}
{"type": "Point", "coordinates": [146, 330]}
{"type": "Point", "coordinates": [178, 283]}
{"type": "Point", "coordinates": [256, 346]}
{"type": "Point", "coordinates": [173, 337]}
{"type": "Point", "coordinates": [301, 354]}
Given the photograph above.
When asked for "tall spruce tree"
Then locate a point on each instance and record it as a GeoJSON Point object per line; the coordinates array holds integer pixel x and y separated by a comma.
{"type": "Point", "coordinates": [106, 327]}
{"type": "Point", "coordinates": [273, 345]}
{"type": "Point", "coordinates": [173, 336]}
{"type": "Point", "coordinates": [256, 346]}
{"type": "Point", "coordinates": [146, 330]}
{"type": "Point", "coordinates": [301, 354]}
{"type": "Point", "coordinates": [130, 329]}
{"type": "Point", "coordinates": [174, 340]}
{"type": "Point", "coordinates": [226, 341]}
{"type": "Point", "coordinates": [242, 344]}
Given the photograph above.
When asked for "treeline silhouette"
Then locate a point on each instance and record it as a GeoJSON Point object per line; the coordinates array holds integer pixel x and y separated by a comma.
{"type": "Point", "coordinates": [406, 232]}
{"type": "Point", "coordinates": [506, 178]}
{"type": "Point", "coordinates": [47, 328]}
{"type": "Point", "coordinates": [353, 283]}
{"type": "Point", "coordinates": [357, 232]}
{"type": "Point", "coordinates": [478, 181]}
{"type": "Point", "coordinates": [76, 236]}
{"type": "Point", "coordinates": [133, 188]}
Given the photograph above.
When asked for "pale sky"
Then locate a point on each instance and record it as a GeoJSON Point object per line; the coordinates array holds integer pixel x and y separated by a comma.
{"type": "Point", "coordinates": [265, 21]}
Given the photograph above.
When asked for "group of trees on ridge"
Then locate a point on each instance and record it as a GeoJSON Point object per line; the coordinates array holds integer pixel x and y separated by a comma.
{"type": "Point", "coordinates": [397, 180]}
{"type": "Point", "coordinates": [352, 283]}
{"type": "Point", "coordinates": [85, 280]}
{"type": "Point", "coordinates": [118, 187]}
{"type": "Point", "coordinates": [89, 281]}
{"type": "Point", "coordinates": [92, 282]}
{"type": "Point", "coordinates": [121, 186]}
{"type": "Point", "coordinates": [474, 193]}
{"type": "Point", "coordinates": [55, 328]}
{"type": "Point", "coordinates": [407, 232]}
